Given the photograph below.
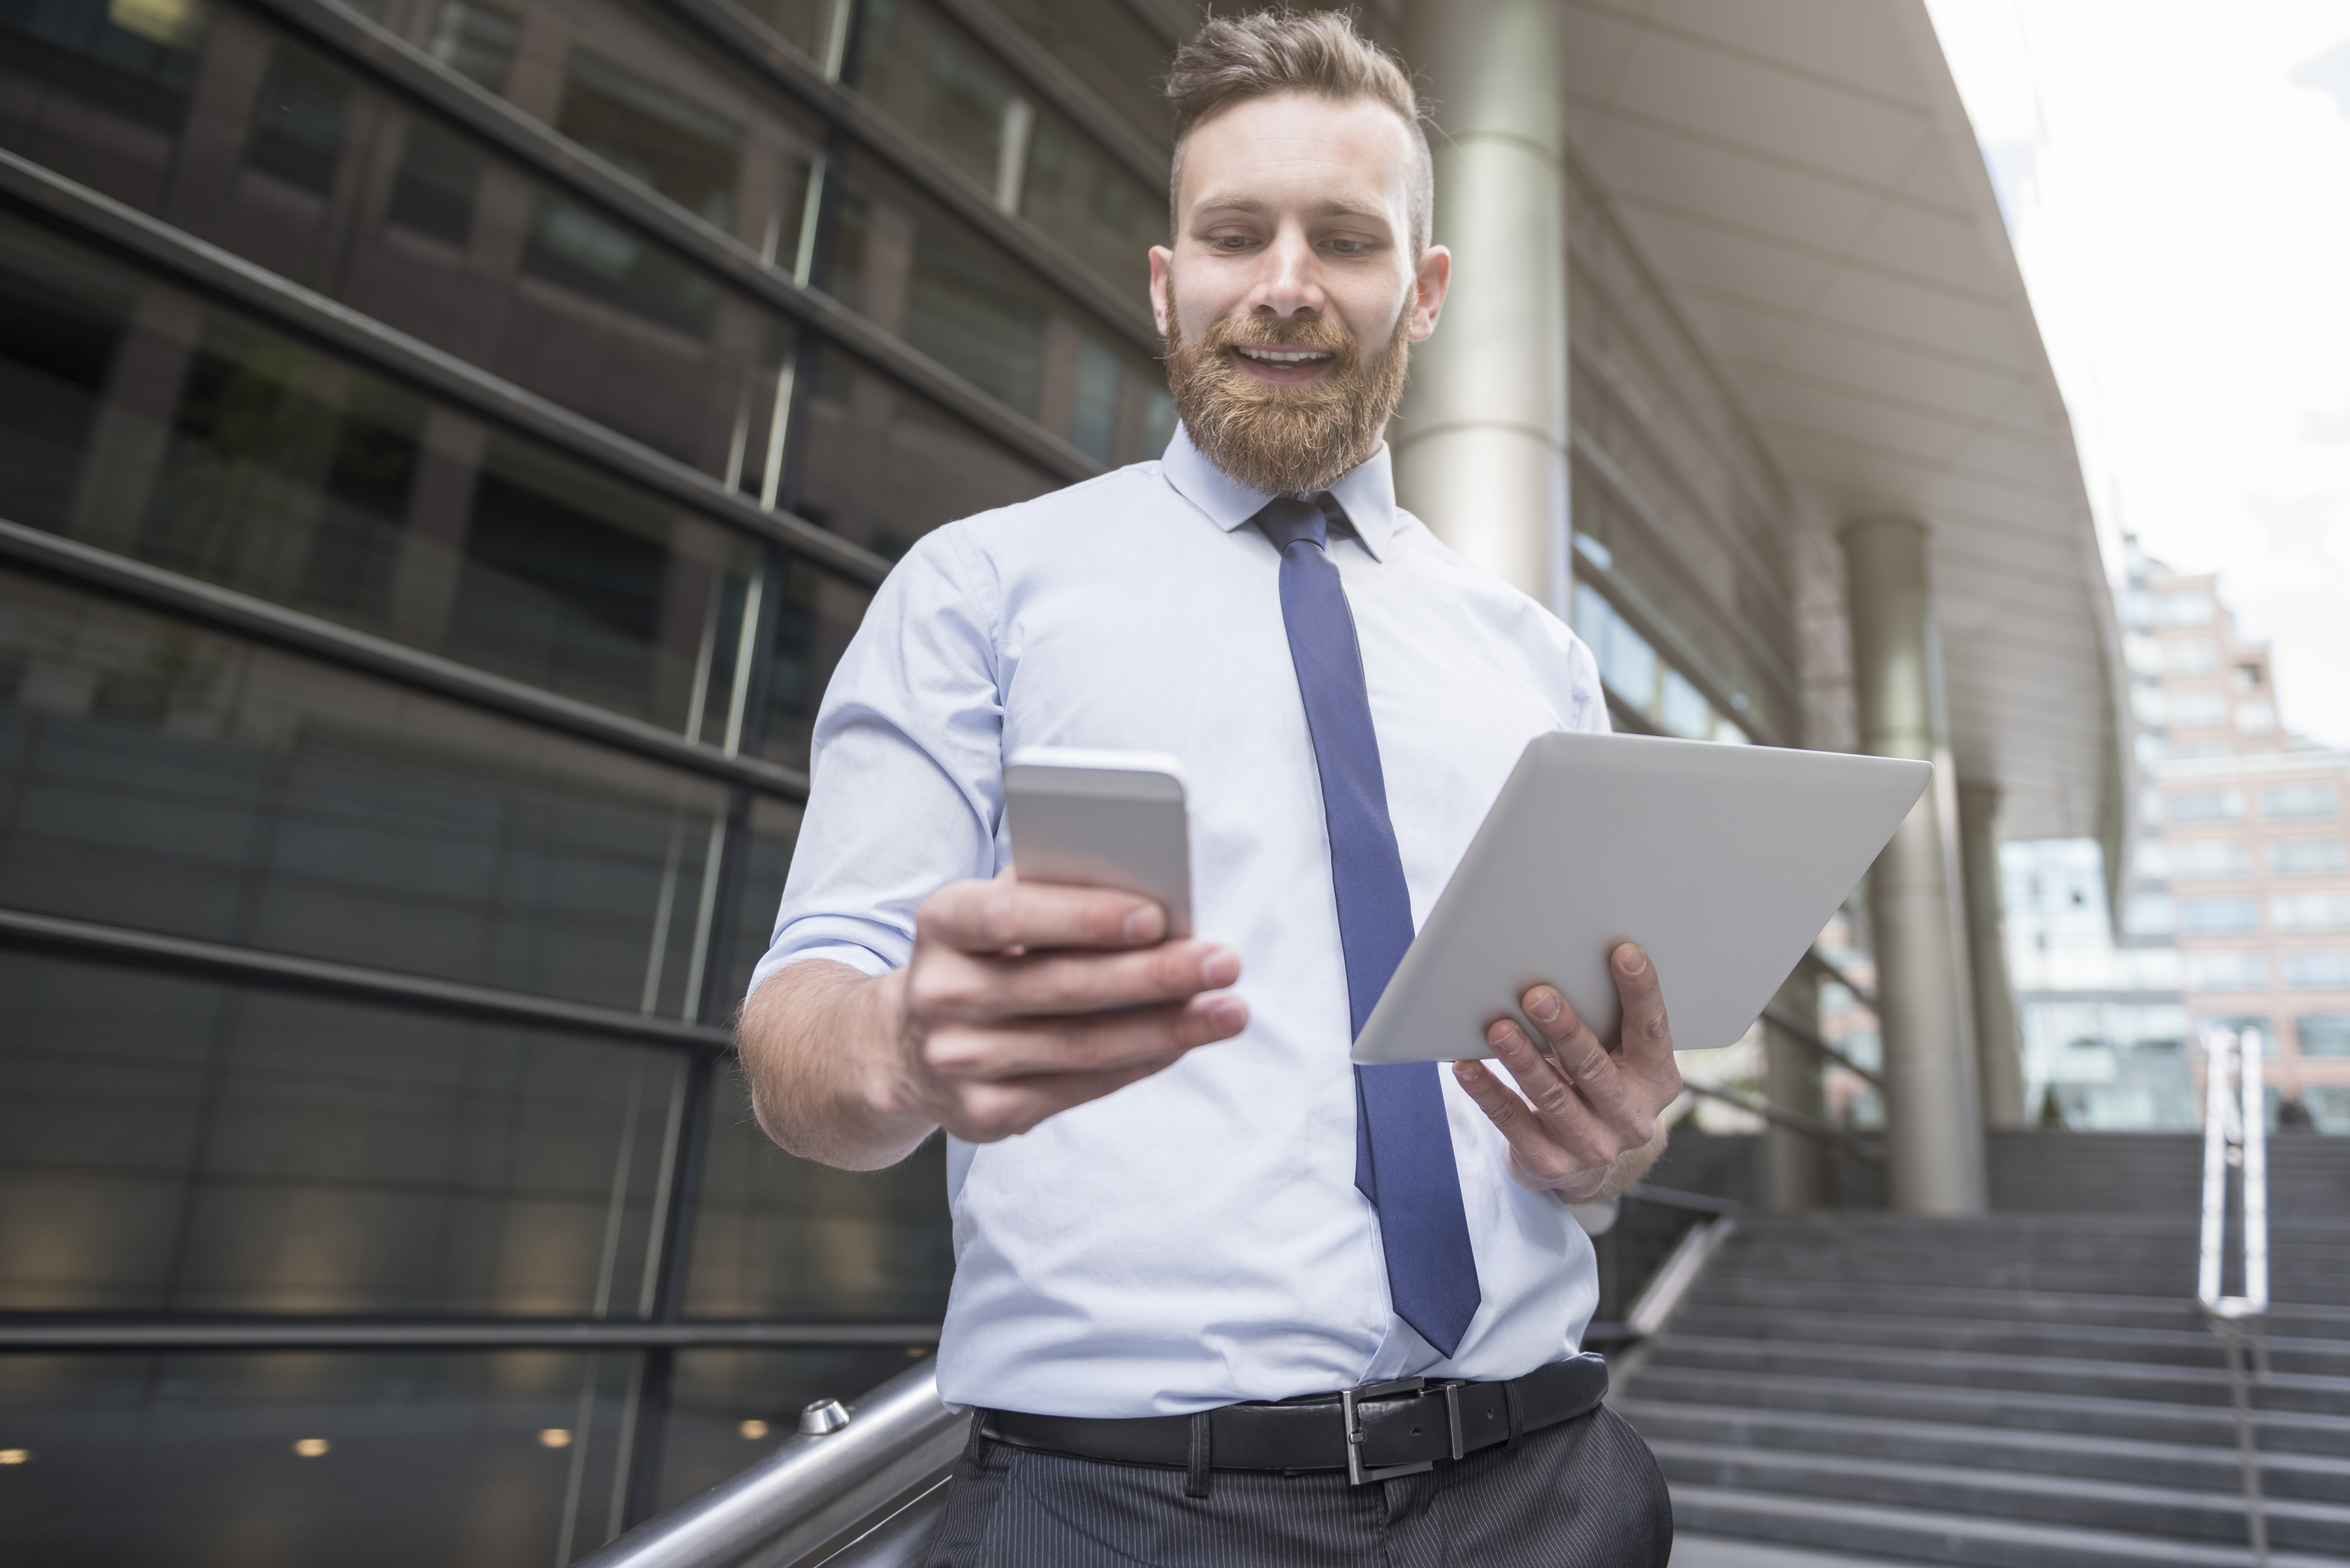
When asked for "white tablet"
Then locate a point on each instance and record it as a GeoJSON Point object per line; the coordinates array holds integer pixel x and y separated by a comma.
{"type": "Point", "coordinates": [1723, 862]}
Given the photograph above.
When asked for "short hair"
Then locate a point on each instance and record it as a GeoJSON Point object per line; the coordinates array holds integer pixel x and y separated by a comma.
{"type": "Point", "coordinates": [1235, 59]}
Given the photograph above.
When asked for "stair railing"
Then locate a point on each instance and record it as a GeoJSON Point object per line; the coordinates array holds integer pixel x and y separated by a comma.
{"type": "Point", "coordinates": [2235, 1139]}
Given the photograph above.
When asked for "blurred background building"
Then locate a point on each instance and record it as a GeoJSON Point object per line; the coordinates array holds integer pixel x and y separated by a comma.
{"type": "Point", "coordinates": [443, 449]}
{"type": "Point", "coordinates": [2239, 916]}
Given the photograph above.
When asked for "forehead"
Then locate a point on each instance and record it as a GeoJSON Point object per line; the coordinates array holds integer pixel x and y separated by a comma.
{"type": "Point", "coordinates": [1301, 148]}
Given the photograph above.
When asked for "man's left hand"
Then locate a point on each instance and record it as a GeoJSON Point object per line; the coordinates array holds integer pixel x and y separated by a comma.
{"type": "Point", "coordinates": [1588, 1113]}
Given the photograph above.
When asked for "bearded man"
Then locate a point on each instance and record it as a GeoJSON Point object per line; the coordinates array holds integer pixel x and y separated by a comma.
{"type": "Point", "coordinates": [1219, 1297]}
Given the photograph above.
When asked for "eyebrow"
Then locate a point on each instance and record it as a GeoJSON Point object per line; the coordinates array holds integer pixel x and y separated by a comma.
{"type": "Point", "coordinates": [1336, 208]}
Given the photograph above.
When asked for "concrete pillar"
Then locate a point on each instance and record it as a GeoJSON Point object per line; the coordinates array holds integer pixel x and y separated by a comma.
{"type": "Point", "coordinates": [1933, 1120]}
{"type": "Point", "coordinates": [1796, 1172]}
{"type": "Point", "coordinates": [1999, 1043]}
{"type": "Point", "coordinates": [1480, 444]}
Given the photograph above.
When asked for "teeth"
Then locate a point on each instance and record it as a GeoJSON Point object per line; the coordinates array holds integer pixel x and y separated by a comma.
{"type": "Point", "coordinates": [1286, 356]}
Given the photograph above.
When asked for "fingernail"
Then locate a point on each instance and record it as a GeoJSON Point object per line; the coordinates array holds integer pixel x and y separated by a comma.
{"type": "Point", "coordinates": [1221, 965]}
{"type": "Point", "coordinates": [1464, 1071]}
{"type": "Point", "coordinates": [1228, 1013]}
{"type": "Point", "coordinates": [1143, 924]}
{"type": "Point", "coordinates": [1632, 961]}
{"type": "Point", "coordinates": [1543, 1006]}
{"type": "Point", "coordinates": [1499, 1034]}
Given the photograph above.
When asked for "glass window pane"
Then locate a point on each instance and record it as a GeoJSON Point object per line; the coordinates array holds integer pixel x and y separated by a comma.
{"type": "Point", "coordinates": [169, 779]}
{"type": "Point", "coordinates": [884, 467]}
{"type": "Point", "coordinates": [775, 830]}
{"type": "Point", "coordinates": [145, 422]}
{"type": "Point", "coordinates": [819, 614]}
{"type": "Point", "coordinates": [438, 235]}
{"type": "Point", "coordinates": [461, 1460]}
{"type": "Point", "coordinates": [781, 1236]}
{"type": "Point", "coordinates": [932, 78]}
{"type": "Point", "coordinates": [132, 59]}
{"type": "Point", "coordinates": [1110, 50]}
{"type": "Point", "coordinates": [183, 1145]}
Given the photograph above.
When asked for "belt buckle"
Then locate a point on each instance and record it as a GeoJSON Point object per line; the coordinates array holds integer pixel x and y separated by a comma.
{"type": "Point", "coordinates": [1418, 1386]}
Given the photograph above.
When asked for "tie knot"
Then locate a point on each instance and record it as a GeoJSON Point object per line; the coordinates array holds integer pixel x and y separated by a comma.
{"type": "Point", "coordinates": [1286, 519]}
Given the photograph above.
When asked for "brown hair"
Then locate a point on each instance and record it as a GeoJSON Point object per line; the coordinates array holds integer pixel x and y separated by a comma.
{"type": "Point", "coordinates": [1235, 59]}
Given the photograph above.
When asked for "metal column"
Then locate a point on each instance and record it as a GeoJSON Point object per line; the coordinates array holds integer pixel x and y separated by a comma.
{"type": "Point", "coordinates": [1999, 1046]}
{"type": "Point", "coordinates": [1481, 445]}
{"type": "Point", "coordinates": [1933, 1119]}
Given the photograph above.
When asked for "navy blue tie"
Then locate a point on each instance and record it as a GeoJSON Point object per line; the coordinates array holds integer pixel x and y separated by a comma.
{"type": "Point", "coordinates": [1403, 1149]}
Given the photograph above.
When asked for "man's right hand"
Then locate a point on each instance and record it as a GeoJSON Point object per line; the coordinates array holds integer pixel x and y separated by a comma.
{"type": "Point", "coordinates": [1023, 999]}
{"type": "Point", "coordinates": [1020, 1000]}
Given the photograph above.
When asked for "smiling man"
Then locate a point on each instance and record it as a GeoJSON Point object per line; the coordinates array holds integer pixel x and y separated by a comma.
{"type": "Point", "coordinates": [1221, 1298]}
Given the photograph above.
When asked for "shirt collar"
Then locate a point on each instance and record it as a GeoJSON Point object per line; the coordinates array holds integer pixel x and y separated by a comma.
{"type": "Point", "coordinates": [1366, 492]}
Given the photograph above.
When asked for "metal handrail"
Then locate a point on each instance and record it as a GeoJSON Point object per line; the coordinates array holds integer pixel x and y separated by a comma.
{"type": "Point", "coordinates": [812, 1491]}
{"type": "Point", "coordinates": [2235, 1137]}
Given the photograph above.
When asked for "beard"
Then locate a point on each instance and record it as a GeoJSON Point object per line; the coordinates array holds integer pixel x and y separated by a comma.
{"type": "Point", "coordinates": [1286, 440]}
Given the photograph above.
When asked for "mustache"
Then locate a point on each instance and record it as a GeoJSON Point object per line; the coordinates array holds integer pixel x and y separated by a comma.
{"type": "Point", "coordinates": [1286, 439]}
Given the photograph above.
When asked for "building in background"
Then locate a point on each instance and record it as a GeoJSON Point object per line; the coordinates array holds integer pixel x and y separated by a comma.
{"type": "Point", "coordinates": [2238, 915]}
{"type": "Point", "coordinates": [444, 448]}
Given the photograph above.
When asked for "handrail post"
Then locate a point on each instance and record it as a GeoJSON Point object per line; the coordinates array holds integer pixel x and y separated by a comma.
{"type": "Point", "coordinates": [2235, 1133]}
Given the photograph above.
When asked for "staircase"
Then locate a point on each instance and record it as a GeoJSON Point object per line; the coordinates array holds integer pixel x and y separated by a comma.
{"type": "Point", "coordinates": [2029, 1389]}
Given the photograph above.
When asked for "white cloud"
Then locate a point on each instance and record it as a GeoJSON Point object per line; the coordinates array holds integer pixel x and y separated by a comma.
{"type": "Point", "coordinates": [2177, 179]}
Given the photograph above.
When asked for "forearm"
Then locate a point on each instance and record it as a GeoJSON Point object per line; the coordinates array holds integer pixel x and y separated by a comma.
{"type": "Point", "coordinates": [821, 1047]}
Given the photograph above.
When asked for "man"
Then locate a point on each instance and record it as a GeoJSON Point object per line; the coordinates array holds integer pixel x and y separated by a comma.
{"type": "Point", "coordinates": [1194, 1246]}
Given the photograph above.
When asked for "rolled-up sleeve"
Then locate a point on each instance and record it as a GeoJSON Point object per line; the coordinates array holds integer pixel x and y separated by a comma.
{"type": "Point", "coordinates": [906, 767]}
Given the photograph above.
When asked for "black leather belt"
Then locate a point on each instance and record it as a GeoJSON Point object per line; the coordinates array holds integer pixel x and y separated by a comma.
{"type": "Point", "coordinates": [1386, 1429]}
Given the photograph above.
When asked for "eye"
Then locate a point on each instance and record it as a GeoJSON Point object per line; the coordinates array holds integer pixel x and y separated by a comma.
{"type": "Point", "coordinates": [1350, 247]}
{"type": "Point", "coordinates": [1230, 242]}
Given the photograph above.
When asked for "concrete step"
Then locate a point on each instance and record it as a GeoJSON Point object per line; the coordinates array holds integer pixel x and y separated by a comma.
{"type": "Point", "coordinates": [2290, 1282]}
{"type": "Point", "coordinates": [2192, 1347]}
{"type": "Point", "coordinates": [2283, 1391]}
{"type": "Point", "coordinates": [1922, 1536]}
{"type": "Point", "coordinates": [2172, 1513]}
{"type": "Point", "coordinates": [2010, 1410]}
{"type": "Point", "coordinates": [2211, 1469]}
{"type": "Point", "coordinates": [2165, 1312]}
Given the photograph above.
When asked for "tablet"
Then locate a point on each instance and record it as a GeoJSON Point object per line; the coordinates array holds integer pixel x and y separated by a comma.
{"type": "Point", "coordinates": [1723, 862]}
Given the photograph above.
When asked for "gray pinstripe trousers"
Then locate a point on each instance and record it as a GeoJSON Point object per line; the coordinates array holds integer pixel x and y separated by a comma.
{"type": "Point", "coordinates": [1585, 1493]}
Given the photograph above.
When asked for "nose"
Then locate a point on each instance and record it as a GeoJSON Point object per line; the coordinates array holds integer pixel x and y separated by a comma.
{"type": "Point", "coordinates": [1289, 281]}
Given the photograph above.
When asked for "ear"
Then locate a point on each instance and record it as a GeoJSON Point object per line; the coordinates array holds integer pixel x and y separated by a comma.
{"type": "Point", "coordinates": [1162, 286]}
{"type": "Point", "coordinates": [1428, 291]}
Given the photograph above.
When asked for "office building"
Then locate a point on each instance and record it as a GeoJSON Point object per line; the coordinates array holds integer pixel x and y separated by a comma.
{"type": "Point", "coordinates": [443, 449]}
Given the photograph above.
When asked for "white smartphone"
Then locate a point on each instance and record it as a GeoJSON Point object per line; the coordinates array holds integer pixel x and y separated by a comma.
{"type": "Point", "coordinates": [1102, 819]}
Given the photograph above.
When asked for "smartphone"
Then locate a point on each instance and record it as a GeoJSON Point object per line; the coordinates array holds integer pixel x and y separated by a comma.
{"type": "Point", "coordinates": [1102, 819]}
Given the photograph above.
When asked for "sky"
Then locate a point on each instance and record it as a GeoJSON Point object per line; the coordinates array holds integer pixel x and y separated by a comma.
{"type": "Point", "coordinates": [2175, 178]}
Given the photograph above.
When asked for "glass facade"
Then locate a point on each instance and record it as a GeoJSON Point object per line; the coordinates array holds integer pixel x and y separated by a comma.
{"type": "Point", "coordinates": [444, 448]}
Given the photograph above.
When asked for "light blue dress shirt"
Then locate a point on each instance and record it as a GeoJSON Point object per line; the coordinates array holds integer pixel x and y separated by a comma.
{"type": "Point", "coordinates": [1194, 1239]}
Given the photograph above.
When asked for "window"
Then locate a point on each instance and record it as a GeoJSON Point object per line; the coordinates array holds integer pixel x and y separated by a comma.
{"type": "Point", "coordinates": [2198, 710]}
{"type": "Point", "coordinates": [654, 136]}
{"type": "Point", "coordinates": [2187, 606]}
{"type": "Point", "coordinates": [2201, 859]}
{"type": "Point", "coordinates": [2148, 914]}
{"type": "Point", "coordinates": [2206, 917]}
{"type": "Point", "coordinates": [134, 57]}
{"type": "Point", "coordinates": [2255, 718]}
{"type": "Point", "coordinates": [438, 175]}
{"type": "Point", "coordinates": [2189, 656]}
{"type": "Point", "coordinates": [2286, 801]}
{"type": "Point", "coordinates": [2323, 1033]}
{"type": "Point", "coordinates": [2206, 806]}
{"type": "Point", "coordinates": [2307, 857]}
{"type": "Point", "coordinates": [2317, 971]}
{"type": "Point", "coordinates": [2311, 911]}
{"type": "Point", "coordinates": [297, 122]}
{"type": "Point", "coordinates": [2248, 678]}
{"type": "Point", "coordinates": [2227, 971]}
{"type": "Point", "coordinates": [476, 41]}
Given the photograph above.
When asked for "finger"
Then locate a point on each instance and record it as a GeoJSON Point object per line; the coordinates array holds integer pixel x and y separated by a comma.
{"type": "Point", "coordinates": [989, 916]}
{"type": "Point", "coordinates": [1554, 1095]}
{"type": "Point", "coordinates": [1648, 1034]}
{"type": "Point", "coordinates": [987, 1111]}
{"type": "Point", "coordinates": [1578, 1056]}
{"type": "Point", "coordinates": [957, 987]}
{"type": "Point", "coordinates": [1104, 1043]}
{"type": "Point", "coordinates": [1539, 1156]}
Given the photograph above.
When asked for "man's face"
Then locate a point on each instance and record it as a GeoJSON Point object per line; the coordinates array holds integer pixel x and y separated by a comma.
{"type": "Point", "coordinates": [1291, 295]}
